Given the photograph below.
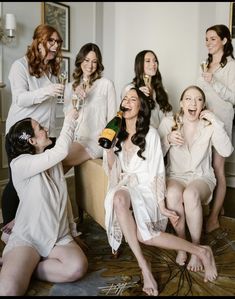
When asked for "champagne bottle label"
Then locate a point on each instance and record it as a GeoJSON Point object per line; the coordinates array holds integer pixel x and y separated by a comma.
{"type": "Point", "coordinates": [109, 134]}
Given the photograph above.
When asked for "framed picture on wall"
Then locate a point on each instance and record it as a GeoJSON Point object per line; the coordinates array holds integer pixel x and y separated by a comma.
{"type": "Point", "coordinates": [65, 67]}
{"type": "Point", "coordinates": [57, 15]}
{"type": "Point", "coordinates": [232, 19]}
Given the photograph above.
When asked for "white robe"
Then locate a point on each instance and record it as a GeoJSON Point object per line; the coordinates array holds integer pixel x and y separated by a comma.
{"type": "Point", "coordinates": [145, 181]}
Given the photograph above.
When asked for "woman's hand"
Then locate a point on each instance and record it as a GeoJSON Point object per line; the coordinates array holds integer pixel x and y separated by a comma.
{"type": "Point", "coordinates": [145, 90]}
{"type": "Point", "coordinates": [207, 76]}
{"type": "Point", "coordinates": [207, 115]}
{"type": "Point", "coordinates": [174, 218]}
{"type": "Point", "coordinates": [72, 114]}
{"type": "Point", "coordinates": [175, 138]}
{"type": "Point", "coordinates": [54, 89]}
{"type": "Point", "coordinates": [8, 227]}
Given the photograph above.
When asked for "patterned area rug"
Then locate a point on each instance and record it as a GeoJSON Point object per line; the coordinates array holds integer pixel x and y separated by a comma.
{"type": "Point", "coordinates": [109, 275]}
{"type": "Point", "coordinates": [120, 276]}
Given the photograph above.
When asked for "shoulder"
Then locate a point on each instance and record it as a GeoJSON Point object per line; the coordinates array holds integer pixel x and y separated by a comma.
{"type": "Point", "coordinates": [105, 81]}
{"type": "Point", "coordinates": [20, 63]}
{"type": "Point", "coordinates": [19, 161]}
{"type": "Point", "coordinates": [152, 133]}
{"type": "Point", "coordinates": [230, 63]}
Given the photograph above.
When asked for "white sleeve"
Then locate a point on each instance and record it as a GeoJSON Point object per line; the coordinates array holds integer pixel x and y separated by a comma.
{"type": "Point", "coordinates": [112, 103]}
{"type": "Point", "coordinates": [29, 165]}
{"type": "Point", "coordinates": [164, 129]}
{"type": "Point", "coordinates": [19, 79]}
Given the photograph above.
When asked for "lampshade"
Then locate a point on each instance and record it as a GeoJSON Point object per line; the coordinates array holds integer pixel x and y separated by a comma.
{"type": "Point", "coordinates": [10, 23]}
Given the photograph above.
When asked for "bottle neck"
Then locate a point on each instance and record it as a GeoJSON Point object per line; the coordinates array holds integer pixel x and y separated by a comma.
{"type": "Point", "coordinates": [120, 113]}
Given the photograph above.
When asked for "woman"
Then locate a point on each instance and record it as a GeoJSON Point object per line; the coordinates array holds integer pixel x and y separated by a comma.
{"type": "Point", "coordinates": [40, 242]}
{"type": "Point", "coordinates": [134, 204]}
{"type": "Point", "coordinates": [149, 80]}
{"type": "Point", "coordinates": [100, 105]}
{"type": "Point", "coordinates": [218, 83]}
{"type": "Point", "coordinates": [188, 138]}
{"type": "Point", "coordinates": [34, 94]}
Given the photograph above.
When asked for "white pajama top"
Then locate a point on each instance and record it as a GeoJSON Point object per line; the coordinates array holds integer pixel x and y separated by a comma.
{"type": "Point", "coordinates": [187, 164]}
{"type": "Point", "coordinates": [145, 181]}
{"type": "Point", "coordinates": [42, 216]}
{"type": "Point", "coordinates": [100, 107]}
{"type": "Point", "coordinates": [220, 94]}
{"type": "Point", "coordinates": [30, 98]}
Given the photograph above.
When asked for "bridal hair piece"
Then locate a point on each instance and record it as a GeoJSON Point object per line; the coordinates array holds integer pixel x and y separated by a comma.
{"type": "Point", "coordinates": [24, 136]}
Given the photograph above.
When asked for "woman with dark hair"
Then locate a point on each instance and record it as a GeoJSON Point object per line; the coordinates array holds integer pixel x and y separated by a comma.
{"type": "Point", "coordinates": [149, 80]}
{"type": "Point", "coordinates": [188, 138]}
{"type": "Point", "coordinates": [217, 80]}
{"type": "Point", "coordinates": [134, 203]}
{"type": "Point", "coordinates": [34, 88]}
{"type": "Point", "coordinates": [40, 242]}
{"type": "Point", "coordinates": [100, 105]}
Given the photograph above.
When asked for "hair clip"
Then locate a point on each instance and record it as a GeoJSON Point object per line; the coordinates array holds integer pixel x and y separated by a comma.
{"type": "Point", "coordinates": [24, 136]}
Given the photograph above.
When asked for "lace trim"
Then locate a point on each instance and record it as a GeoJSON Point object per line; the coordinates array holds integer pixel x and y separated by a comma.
{"type": "Point", "coordinates": [154, 227]}
{"type": "Point", "coordinates": [158, 186]}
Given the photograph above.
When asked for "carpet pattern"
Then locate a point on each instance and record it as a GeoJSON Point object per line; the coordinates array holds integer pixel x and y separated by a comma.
{"type": "Point", "coordinates": [120, 276]}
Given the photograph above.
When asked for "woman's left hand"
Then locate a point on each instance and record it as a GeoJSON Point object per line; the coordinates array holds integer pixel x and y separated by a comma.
{"type": "Point", "coordinates": [207, 76]}
{"type": "Point", "coordinates": [174, 218]}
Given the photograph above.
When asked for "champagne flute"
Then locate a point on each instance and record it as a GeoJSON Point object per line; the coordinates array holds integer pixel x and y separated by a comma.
{"type": "Point", "coordinates": [63, 76]}
{"type": "Point", "coordinates": [179, 121]}
{"type": "Point", "coordinates": [204, 66]}
{"type": "Point", "coordinates": [74, 100]}
{"type": "Point", "coordinates": [147, 80]}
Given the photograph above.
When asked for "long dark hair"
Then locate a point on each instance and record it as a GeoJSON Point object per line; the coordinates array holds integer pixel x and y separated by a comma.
{"type": "Point", "coordinates": [77, 74]}
{"type": "Point", "coordinates": [18, 138]}
{"type": "Point", "coordinates": [223, 32]}
{"type": "Point", "coordinates": [142, 124]}
{"type": "Point", "coordinates": [157, 85]}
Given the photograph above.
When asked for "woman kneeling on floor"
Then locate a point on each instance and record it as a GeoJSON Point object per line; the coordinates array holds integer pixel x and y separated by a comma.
{"type": "Point", "coordinates": [40, 242]}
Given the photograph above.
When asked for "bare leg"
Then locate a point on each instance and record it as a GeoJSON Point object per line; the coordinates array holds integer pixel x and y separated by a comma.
{"type": "Point", "coordinates": [64, 264]}
{"type": "Point", "coordinates": [18, 266]}
{"type": "Point", "coordinates": [194, 194]}
{"type": "Point", "coordinates": [219, 193]}
{"type": "Point", "coordinates": [174, 198]}
{"type": "Point", "coordinates": [129, 229]}
{"type": "Point", "coordinates": [77, 155]}
{"type": "Point", "coordinates": [204, 253]}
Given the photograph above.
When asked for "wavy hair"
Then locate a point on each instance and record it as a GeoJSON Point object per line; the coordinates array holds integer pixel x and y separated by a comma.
{"type": "Point", "coordinates": [142, 124]}
{"type": "Point", "coordinates": [223, 32]}
{"type": "Point", "coordinates": [18, 138]}
{"type": "Point", "coordinates": [81, 56]}
{"type": "Point", "coordinates": [156, 82]}
{"type": "Point", "coordinates": [37, 67]}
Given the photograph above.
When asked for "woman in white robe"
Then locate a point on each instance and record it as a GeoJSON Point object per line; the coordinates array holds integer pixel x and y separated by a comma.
{"type": "Point", "coordinates": [134, 204]}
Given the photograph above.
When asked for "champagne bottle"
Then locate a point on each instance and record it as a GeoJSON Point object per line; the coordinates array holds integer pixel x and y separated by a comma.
{"type": "Point", "coordinates": [109, 134]}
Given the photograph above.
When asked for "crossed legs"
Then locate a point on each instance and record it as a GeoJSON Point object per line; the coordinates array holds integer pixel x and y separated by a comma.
{"type": "Point", "coordinates": [122, 203]}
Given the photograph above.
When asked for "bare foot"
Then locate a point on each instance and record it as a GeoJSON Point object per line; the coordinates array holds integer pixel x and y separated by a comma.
{"type": "Point", "coordinates": [212, 224]}
{"type": "Point", "coordinates": [181, 258]}
{"type": "Point", "coordinates": [195, 264]}
{"type": "Point", "coordinates": [208, 261]}
{"type": "Point", "coordinates": [150, 286]}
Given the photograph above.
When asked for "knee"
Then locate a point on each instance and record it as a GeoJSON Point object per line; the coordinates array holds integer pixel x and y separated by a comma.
{"type": "Point", "coordinates": [173, 197]}
{"type": "Point", "coordinates": [191, 199]}
{"type": "Point", "coordinates": [119, 202]}
{"type": "Point", "coordinates": [76, 270]}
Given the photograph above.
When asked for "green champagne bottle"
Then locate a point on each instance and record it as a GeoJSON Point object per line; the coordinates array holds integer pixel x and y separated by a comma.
{"type": "Point", "coordinates": [109, 134]}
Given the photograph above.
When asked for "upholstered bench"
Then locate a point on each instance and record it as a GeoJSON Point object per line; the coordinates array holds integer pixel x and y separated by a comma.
{"type": "Point", "coordinates": [91, 186]}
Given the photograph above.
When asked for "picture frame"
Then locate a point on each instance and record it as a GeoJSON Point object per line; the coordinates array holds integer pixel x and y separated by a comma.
{"type": "Point", "coordinates": [57, 15]}
{"type": "Point", "coordinates": [66, 66]}
{"type": "Point", "coordinates": [232, 19]}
